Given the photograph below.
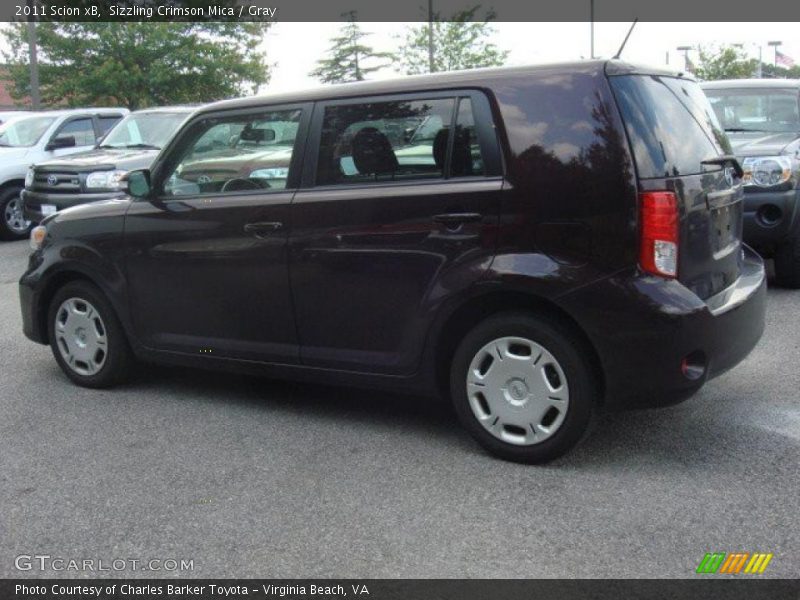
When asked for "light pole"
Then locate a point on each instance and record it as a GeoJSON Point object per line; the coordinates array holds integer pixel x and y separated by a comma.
{"type": "Point", "coordinates": [685, 50]}
{"type": "Point", "coordinates": [431, 64]}
{"type": "Point", "coordinates": [591, 28]}
{"type": "Point", "coordinates": [775, 46]}
{"type": "Point", "coordinates": [33, 57]}
{"type": "Point", "coordinates": [759, 70]}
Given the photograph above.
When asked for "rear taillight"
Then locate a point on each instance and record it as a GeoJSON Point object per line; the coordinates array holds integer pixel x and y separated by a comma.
{"type": "Point", "coordinates": [658, 253]}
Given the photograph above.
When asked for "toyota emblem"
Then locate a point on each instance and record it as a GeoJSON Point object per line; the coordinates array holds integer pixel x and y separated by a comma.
{"type": "Point", "coordinates": [52, 180]}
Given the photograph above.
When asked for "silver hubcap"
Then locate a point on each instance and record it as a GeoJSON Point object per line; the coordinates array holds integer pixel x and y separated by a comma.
{"type": "Point", "coordinates": [81, 336]}
{"type": "Point", "coordinates": [517, 391]}
{"type": "Point", "coordinates": [14, 219]}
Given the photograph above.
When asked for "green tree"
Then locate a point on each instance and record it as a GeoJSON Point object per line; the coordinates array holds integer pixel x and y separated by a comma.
{"type": "Point", "coordinates": [460, 43]}
{"type": "Point", "coordinates": [350, 59]}
{"type": "Point", "coordinates": [139, 64]}
{"type": "Point", "coordinates": [724, 62]}
{"type": "Point", "coordinates": [769, 70]}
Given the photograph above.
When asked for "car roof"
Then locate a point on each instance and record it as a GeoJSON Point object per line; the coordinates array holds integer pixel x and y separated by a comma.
{"type": "Point", "coordinates": [472, 78]}
{"type": "Point", "coordinates": [180, 108]}
{"type": "Point", "coordinates": [751, 84]}
{"type": "Point", "coordinates": [76, 111]}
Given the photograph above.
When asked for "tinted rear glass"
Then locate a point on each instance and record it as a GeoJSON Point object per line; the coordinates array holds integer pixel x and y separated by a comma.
{"type": "Point", "coordinates": [670, 123]}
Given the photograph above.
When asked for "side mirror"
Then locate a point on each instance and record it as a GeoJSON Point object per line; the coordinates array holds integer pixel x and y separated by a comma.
{"type": "Point", "coordinates": [137, 183]}
{"type": "Point", "coordinates": [61, 141]}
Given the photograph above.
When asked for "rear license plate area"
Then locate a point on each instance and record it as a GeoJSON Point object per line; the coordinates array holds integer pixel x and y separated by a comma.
{"type": "Point", "coordinates": [724, 228]}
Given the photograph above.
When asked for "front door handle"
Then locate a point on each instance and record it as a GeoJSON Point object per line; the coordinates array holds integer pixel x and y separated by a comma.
{"type": "Point", "coordinates": [262, 228]}
{"type": "Point", "coordinates": [455, 220]}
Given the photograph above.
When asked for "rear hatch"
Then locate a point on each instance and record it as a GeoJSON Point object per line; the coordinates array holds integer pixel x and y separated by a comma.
{"type": "Point", "coordinates": [673, 133]}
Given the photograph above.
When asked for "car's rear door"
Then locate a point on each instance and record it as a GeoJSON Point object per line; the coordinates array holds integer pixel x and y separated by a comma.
{"type": "Point", "coordinates": [395, 214]}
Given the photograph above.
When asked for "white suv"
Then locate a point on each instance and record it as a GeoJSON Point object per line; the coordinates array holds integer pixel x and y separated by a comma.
{"type": "Point", "coordinates": [30, 138]}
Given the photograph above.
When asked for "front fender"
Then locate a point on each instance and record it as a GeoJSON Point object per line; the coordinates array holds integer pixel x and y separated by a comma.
{"type": "Point", "coordinates": [87, 248]}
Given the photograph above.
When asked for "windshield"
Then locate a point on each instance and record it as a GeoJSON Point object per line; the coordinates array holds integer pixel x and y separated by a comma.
{"type": "Point", "coordinates": [151, 130]}
{"type": "Point", "coordinates": [24, 132]}
{"type": "Point", "coordinates": [771, 111]}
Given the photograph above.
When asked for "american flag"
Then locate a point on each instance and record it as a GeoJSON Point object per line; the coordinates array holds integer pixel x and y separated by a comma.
{"type": "Point", "coordinates": [783, 60]}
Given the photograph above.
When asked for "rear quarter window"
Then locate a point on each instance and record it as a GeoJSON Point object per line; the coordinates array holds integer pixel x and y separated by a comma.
{"type": "Point", "coordinates": [670, 123]}
{"type": "Point", "coordinates": [570, 166]}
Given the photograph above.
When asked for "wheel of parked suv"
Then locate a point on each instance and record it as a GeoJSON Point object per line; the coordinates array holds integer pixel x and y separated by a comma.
{"type": "Point", "coordinates": [787, 264]}
{"type": "Point", "coordinates": [523, 387]}
{"type": "Point", "coordinates": [13, 225]}
{"type": "Point", "coordinates": [86, 337]}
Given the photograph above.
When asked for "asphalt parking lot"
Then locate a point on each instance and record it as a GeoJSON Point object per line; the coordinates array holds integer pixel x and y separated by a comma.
{"type": "Point", "coordinates": [251, 477]}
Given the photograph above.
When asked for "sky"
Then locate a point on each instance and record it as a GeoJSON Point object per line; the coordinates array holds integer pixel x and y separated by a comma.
{"type": "Point", "coordinates": [295, 47]}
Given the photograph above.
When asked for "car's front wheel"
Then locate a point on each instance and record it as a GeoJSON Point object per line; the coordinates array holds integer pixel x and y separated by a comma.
{"type": "Point", "coordinates": [523, 387]}
{"type": "Point", "coordinates": [86, 337]}
{"type": "Point", "coordinates": [13, 225]}
{"type": "Point", "coordinates": [787, 264]}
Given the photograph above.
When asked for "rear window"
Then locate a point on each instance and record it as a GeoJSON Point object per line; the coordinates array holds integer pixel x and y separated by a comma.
{"type": "Point", "coordinates": [670, 123]}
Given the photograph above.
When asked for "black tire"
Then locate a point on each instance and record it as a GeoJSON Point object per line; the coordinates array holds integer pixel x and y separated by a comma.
{"type": "Point", "coordinates": [572, 357]}
{"type": "Point", "coordinates": [8, 233]}
{"type": "Point", "coordinates": [787, 264]}
{"type": "Point", "coordinates": [118, 358]}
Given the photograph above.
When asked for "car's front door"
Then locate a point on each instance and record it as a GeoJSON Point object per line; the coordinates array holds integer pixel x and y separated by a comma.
{"type": "Point", "coordinates": [206, 258]}
{"type": "Point", "coordinates": [398, 214]}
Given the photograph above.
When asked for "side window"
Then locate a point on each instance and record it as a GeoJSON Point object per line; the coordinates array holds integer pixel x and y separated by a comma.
{"type": "Point", "coordinates": [466, 158]}
{"type": "Point", "coordinates": [236, 154]}
{"type": "Point", "coordinates": [384, 141]}
{"type": "Point", "coordinates": [107, 122]}
{"type": "Point", "coordinates": [82, 130]}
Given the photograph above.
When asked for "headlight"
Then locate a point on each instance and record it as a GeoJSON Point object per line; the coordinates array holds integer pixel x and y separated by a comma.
{"type": "Point", "coordinates": [38, 234]}
{"type": "Point", "coordinates": [274, 173]}
{"type": "Point", "coordinates": [767, 171]}
{"type": "Point", "coordinates": [105, 180]}
{"type": "Point", "coordinates": [29, 177]}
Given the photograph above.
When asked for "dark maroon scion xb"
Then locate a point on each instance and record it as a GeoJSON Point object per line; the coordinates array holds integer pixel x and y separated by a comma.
{"type": "Point", "coordinates": [536, 243]}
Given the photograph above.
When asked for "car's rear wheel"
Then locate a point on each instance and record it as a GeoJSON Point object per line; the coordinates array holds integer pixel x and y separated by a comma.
{"type": "Point", "coordinates": [86, 337]}
{"type": "Point", "coordinates": [523, 387]}
{"type": "Point", "coordinates": [787, 264]}
{"type": "Point", "coordinates": [13, 225]}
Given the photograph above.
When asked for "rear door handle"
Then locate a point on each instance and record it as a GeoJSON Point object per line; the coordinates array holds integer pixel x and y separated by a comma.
{"type": "Point", "coordinates": [454, 220]}
{"type": "Point", "coordinates": [263, 228]}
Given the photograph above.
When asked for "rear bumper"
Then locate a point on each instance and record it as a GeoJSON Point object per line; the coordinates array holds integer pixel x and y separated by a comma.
{"type": "Point", "coordinates": [32, 201]}
{"type": "Point", "coordinates": [763, 234]}
{"type": "Point", "coordinates": [644, 327]}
